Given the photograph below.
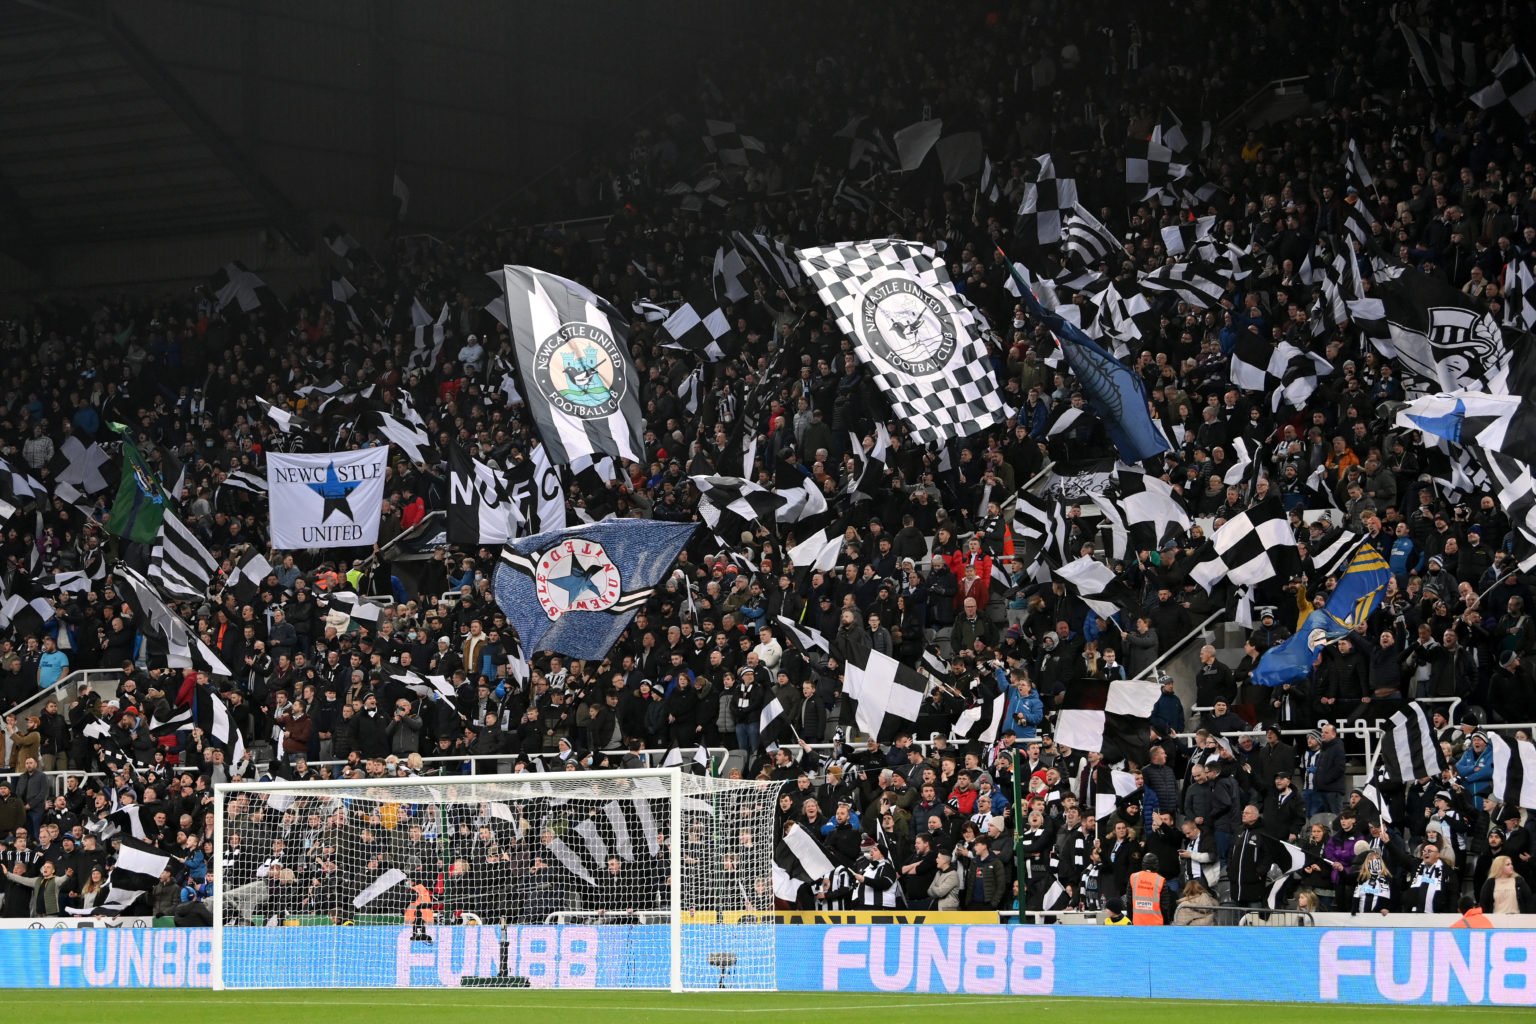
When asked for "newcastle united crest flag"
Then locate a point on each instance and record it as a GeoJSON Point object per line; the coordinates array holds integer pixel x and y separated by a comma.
{"type": "Point", "coordinates": [326, 500]}
{"type": "Point", "coordinates": [573, 591]}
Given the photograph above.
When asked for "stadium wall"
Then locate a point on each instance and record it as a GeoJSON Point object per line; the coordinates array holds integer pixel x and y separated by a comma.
{"type": "Point", "coordinates": [1346, 965]}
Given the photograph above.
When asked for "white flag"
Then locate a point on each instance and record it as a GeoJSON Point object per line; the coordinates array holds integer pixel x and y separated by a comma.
{"type": "Point", "coordinates": [326, 500]}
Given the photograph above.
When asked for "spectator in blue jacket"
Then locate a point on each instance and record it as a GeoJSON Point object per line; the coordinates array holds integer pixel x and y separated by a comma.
{"type": "Point", "coordinates": [1024, 707]}
{"type": "Point", "coordinates": [1475, 769]}
{"type": "Point", "coordinates": [1405, 556]}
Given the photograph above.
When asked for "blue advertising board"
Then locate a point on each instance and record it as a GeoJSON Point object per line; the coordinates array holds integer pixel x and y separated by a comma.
{"type": "Point", "coordinates": [1346, 965]}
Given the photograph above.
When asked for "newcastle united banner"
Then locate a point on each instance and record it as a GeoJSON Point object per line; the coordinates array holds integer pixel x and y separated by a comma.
{"type": "Point", "coordinates": [326, 500]}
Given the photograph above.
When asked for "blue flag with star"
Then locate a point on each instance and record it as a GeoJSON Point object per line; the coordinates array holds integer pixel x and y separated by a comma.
{"type": "Point", "coordinates": [574, 591]}
{"type": "Point", "coordinates": [1352, 601]}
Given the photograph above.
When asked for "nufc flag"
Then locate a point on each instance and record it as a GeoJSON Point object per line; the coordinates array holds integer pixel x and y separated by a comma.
{"type": "Point", "coordinates": [573, 591]}
{"type": "Point", "coordinates": [923, 341]}
{"type": "Point", "coordinates": [573, 354]}
{"type": "Point", "coordinates": [326, 500]}
{"type": "Point", "coordinates": [480, 511]}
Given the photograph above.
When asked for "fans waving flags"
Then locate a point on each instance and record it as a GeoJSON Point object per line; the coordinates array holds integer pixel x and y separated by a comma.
{"type": "Point", "coordinates": [889, 695]}
{"type": "Point", "coordinates": [1252, 547]}
{"type": "Point", "coordinates": [1514, 771]}
{"type": "Point", "coordinates": [1409, 749]}
{"type": "Point", "coordinates": [1513, 83]}
{"type": "Point", "coordinates": [1045, 199]}
{"type": "Point", "coordinates": [1098, 587]}
{"type": "Point", "coordinates": [1112, 717]}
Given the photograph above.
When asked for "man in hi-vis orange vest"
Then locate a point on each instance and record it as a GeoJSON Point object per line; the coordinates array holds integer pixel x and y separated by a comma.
{"type": "Point", "coordinates": [1151, 899]}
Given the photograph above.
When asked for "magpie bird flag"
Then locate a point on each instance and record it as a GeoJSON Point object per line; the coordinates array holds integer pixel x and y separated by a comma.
{"type": "Point", "coordinates": [1409, 749]}
{"type": "Point", "coordinates": [135, 873]}
{"type": "Point", "coordinates": [1251, 547]}
{"type": "Point", "coordinates": [888, 694]}
{"type": "Point", "coordinates": [1437, 334]}
{"type": "Point", "coordinates": [924, 342]}
{"type": "Point", "coordinates": [1112, 717]}
{"type": "Point", "coordinates": [1095, 584]}
{"type": "Point", "coordinates": [1514, 771]}
{"type": "Point", "coordinates": [1513, 83]}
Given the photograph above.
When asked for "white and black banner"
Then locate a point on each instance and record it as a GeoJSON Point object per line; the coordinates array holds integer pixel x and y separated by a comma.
{"type": "Point", "coordinates": [326, 500]}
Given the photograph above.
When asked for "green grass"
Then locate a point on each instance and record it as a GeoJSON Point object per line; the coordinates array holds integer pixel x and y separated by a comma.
{"type": "Point", "coordinates": [450, 1006]}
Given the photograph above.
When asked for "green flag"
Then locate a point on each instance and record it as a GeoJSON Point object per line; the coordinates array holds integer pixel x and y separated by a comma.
{"type": "Point", "coordinates": [140, 503]}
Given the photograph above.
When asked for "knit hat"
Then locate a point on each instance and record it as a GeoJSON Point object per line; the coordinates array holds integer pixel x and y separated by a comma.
{"type": "Point", "coordinates": [867, 843]}
{"type": "Point", "coordinates": [1315, 735]}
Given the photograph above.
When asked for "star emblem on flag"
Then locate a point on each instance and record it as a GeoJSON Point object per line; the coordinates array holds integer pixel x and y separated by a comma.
{"type": "Point", "coordinates": [578, 581]}
{"type": "Point", "coordinates": [335, 491]}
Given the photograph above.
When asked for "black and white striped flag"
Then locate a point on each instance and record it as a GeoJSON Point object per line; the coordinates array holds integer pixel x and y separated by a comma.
{"type": "Point", "coordinates": [1291, 860]}
{"type": "Point", "coordinates": [427, 335]}
{"type": "Point", "coordinates": [776, 258]}
{"type": "Point", "coordinates": [1087, 241]}
{"type": "Point", "coordinates": [179, 563]}
{"type": "Point", "coordinates": [1040, 529]}
{"type": "Point", "coordinates": [166, 631]}
{"type": "Point", "coordinates": [1196, 282]}
{"type": "Point", "coordinates": [1514, 771]}
{"type": "Point", "coordinates": [1409, 750]}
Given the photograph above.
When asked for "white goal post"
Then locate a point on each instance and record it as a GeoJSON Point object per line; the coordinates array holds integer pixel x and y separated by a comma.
{"type": "Point", "coordinates": [653, 878]}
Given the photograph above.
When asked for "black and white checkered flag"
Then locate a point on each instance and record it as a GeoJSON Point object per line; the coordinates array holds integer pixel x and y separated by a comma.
{"type": "Point", "coordinates": [1140, 510]}
{"type": "Point", "coordinates": [1149, 168]}
{"type": "Point", "coordinates": [700, 326]}
{"type": "Point", "coordinates": [922, 340]}
{"type": "Point", "coordinates": [1252, 547]}
{"type": "Point", "coordinates": [1287, 373]}
{"type": "Point", "coordinates": [1513, 83]}
{"type": "Point", "coordinates": [730, 146]}
{"type": "Point", "coordinates": [1184, 237]}
{"type": "Point", "coordinates": [1045, 199]}
{"type": "Point", "coordinates": [1099, 588]}
{"type": "Point", "coordinates": [888, 694]}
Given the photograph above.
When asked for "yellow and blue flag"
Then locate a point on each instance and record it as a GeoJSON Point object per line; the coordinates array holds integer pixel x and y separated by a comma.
{"type": "Point", "coordinates": [1352, 601]}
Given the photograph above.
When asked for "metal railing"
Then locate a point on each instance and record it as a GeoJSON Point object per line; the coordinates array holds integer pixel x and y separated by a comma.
{"type": "Point", "coordinates": [100, 681]}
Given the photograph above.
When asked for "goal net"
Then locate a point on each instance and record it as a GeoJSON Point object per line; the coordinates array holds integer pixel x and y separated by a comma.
{"type": "Point", "coordinates": [652, 879]}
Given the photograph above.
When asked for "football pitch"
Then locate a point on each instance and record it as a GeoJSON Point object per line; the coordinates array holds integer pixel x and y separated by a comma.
{"type": "Point", "coordinates": [632, 1007]}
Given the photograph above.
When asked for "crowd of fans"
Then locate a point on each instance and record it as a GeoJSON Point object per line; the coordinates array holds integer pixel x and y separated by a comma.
{"type": "Point", "coordinates": [931, 823]}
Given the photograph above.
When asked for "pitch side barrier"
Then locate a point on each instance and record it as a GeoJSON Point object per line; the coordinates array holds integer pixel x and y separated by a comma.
{"type": "Point", "coordinates": [1407, 965]}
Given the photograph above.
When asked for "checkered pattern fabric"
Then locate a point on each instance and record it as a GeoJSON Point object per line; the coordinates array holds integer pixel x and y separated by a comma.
{"type": "Point", "coordinates": [1043, 203]}
{"type": "Point", "coordinates": [1149, 168]}
{"type": "Point", "coordinates": [1250, 548]}
{"type": "Point", "coordinates": [951, 401]}
{"type": "Point", "coordinates": [730, 146]}
{"type": "Point", "coordinates": [699, 326]}
{"type": "Point", "coordinates": [1513, 83]}
{"type": "Point", "coordinates": [1181, 238]}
